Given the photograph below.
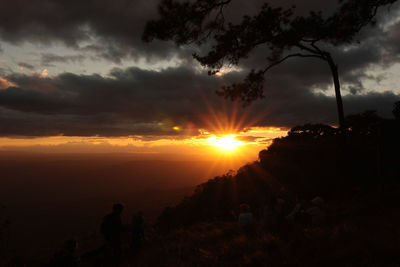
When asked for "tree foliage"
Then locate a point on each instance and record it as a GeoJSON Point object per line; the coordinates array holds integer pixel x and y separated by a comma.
{"type": "Point", "coordinates": [279, 29]}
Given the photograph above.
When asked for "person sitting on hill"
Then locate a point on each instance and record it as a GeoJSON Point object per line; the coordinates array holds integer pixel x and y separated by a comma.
{"type": "Point", "coordinates": [111, 229]}
{"type": "Point", "coordinates": [316, 211]}
{"type": "Point", "coordinates": [245, 216]}
{"type": "Point", "coordinates": [295, 211]}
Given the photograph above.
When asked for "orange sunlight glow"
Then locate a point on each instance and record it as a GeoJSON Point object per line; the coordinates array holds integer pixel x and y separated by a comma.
{"type": "Point", "coordinates": [226, 143]}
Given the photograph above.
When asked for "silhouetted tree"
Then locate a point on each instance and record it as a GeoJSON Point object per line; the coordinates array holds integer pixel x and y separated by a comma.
{"type": "Point", "coordinates": [312, 130]}
{"type": "Point", "coordinates": [285, 35]}
{"type": "Point", "coordinates": [364, 123]}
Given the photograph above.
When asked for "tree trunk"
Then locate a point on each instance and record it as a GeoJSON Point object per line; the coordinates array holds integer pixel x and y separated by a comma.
{"type": "Point", "coordinates": [339, 103]}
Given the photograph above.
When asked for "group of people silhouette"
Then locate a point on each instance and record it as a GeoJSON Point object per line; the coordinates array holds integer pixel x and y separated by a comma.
{"type": "Point", "coordinates": [109, 254]}
{"type": "Point", "coordinates": [276, 215]}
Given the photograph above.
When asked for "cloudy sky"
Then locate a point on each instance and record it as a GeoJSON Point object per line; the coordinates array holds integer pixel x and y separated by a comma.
{"type": "Point", "coordinates": [77, 71]}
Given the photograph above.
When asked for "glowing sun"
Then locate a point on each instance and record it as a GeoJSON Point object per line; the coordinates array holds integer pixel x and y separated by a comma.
{"type": "Point", "coordinates": [225, 143]}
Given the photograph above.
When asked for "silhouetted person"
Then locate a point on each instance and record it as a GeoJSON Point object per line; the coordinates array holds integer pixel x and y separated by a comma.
{"type": "Point", "coordinates": [66, 256]}
{"type": "Point", "coordinates": [317, 211]}
{"type": "Point", "coordinates": [245, 216]}
{"type": "Point", "coordinates": [269, 215]}
{"type": "Point", "coordinates": [111, 228]}
{"type": "Point", "coordinates": [137, 231]}
{"type": "Point", "coordinates": [246, 220]}
{"type": "Point", "coordinates": [295, 211]}
{"type": "Point", "coordinates": [274, 215]}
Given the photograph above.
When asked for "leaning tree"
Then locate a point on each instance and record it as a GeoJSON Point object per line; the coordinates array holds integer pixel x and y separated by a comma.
{"type": "Point", "coordinates": [280, 30]}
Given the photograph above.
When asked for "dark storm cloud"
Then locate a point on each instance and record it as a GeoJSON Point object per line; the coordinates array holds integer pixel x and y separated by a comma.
{"type": "Point", "coordinates": [30, 100]}
{"type": "Point", "coordinates": [130, 101]}
{"type": "Point", "coordinates": [15, 123]}
{"type": "Point", "coordinates": [115, 26]}
{"type": "Point", "coordinates": [48, 59]}
{"type": "Point", "coordinates": [394, 38]}
{"type": "Point", "coordinates": [306, 107]}
{"type": "Point", "coordinates": [138, 102]}
{"type": "Point", "coordinates": [113, 31]}
{"type": "Point", "coordinates": [24, 65]}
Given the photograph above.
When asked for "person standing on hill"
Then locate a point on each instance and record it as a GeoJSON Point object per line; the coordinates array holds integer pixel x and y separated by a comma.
{"type": "Point", "coordinates": [137, 237]}
{"type": "Point", "coordinates": [111, 229]}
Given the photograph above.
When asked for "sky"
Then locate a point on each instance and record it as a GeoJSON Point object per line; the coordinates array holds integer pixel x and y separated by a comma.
{"type": "Point", "coordinates": [76, 77]}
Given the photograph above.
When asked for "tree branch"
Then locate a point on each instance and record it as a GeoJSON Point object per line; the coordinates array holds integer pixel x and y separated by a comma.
{"type": "Point", "coordinates": [219, 14]}
{"type": "Point", "coordinates": [312, 43]}
{"type": "Point", "coordinates": [316, 47]}
{"type": "Point", "coordinates": [220, 5]}
{"type": "Point", "coordinates": [287, 57]}
{"type": "Point", "coordinates": [303, 47]}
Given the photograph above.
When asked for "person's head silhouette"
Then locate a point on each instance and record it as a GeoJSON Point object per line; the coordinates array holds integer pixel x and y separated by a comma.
{"type": "Point", "coordinates": [117, 208]}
